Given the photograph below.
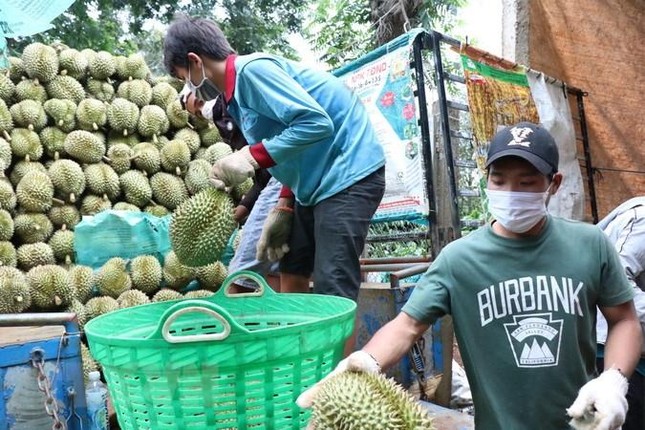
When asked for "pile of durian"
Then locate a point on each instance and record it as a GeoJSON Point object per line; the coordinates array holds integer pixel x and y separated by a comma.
{"type": "Point", "coordinates": [83, 132]}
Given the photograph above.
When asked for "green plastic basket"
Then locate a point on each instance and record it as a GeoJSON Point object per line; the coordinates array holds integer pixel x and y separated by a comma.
{"type": "Point", "coordinates": [230, 361]}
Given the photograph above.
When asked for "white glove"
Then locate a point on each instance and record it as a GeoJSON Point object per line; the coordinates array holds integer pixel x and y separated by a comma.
{"type": "Point", "coordinates": [233, 169]}
{"type": "Point", "coordinates": [359, 361]}
{"type": "Point", "coordinates": [601, 403]}
{"type": "Point", "coordinates": [272, 245]}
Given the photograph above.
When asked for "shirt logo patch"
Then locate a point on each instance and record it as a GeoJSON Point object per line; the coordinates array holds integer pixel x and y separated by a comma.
{"type": "Point", "coordinates": [520, 134]}
{"type": "Point", "coordinates": [535, 339]}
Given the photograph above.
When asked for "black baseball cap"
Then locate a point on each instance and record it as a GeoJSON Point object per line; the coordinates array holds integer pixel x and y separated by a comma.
{"type": "Point", "coordinates": [526, 140]}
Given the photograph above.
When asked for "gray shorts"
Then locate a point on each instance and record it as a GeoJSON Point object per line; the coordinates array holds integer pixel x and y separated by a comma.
{"type": "Point", "coordinates": [244, 258]}
{"type": "Point", "coordinates": [327, 239]}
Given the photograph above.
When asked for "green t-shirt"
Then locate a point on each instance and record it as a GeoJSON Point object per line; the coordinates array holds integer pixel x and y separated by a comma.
{"type": "Point", "coordinates": [524, 314]}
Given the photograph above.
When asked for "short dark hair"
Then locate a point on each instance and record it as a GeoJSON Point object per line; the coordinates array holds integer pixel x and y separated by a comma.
{"type": "Point", "coordinates": [193, 34]}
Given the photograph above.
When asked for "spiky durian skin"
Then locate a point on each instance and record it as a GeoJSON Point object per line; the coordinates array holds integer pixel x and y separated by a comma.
{"type": "Point", "coordinates": [62, 243]}
{"type": "Point", "coordinates": [147, 157]}
{"type": "Point", "coordinates": [82, 279]}
{"type": "Point", "coordinates": [50, 287]}
{"type": "Point", "coordinates": [112, 279]}
{"type": "Point", "coordinates": [131, 298]}
{"type": "Point", "coordinates": [177, 115]}
{"type": "Point", "coordinates": [201, 226]}
{"type": "Point", "coordinates": [84, 146]}
{"type": "Point", "coordinates": [165, 295]}
{"type": "Point", "coordinates": [146, 273]}
{"type": "Point", "coordinates": [198, 294]}
{"type": "Point", "coordinates": [175, 156]}
{"type": "Point", "coordinates": [91, 204]}
{"type": "Point", "coordinates": [91, 114]}
{"type": "Point", "coordinates": [68, 179]}
{"type": "Point", "coordinates": [361, 400]}
{"type": "Point", "coordinates": [7, 88]}
{"type": "Point", "coordinates": [163, 94]}
{"type": "Point", "coordinates": [190, 137]}
{"type": "Point", "coordinates": [73, 63]}
{"type": "Point", "coordinates": [123, 206]}
{"type": "Point", "coordinates": [32, 227]}
{"type": "Point", "coordinates": [123, 116]}
{"type": "Point", "coordinates": [8, 254]}
{"type": "Point", "coordinates": [53, 142]}
{"type": "Point", "coordinates": [136, 188]}
{"type": "Point", "coordinates": [119, 157]}
{"type": "Point", "coordinates": [212, 276]}
{"type": "Point", "coordinates": [35, 192]}
{"type": "Point", "coordinates": [176, 275]}
{"type": "Point", "coordinates": [8, 197]}
{"type": "Point", "coordinates": [40, 62]}
{"type": "Point", "coordinates": [216, 152]}
{"type": "Point", "coordinates": [209, 136]}
{"type": "Point", "coordinates": [78, 308]}
{"type": "Point", "coordinates": [15, 295]}
{"type": "Point", "coordinates": [66, 216]}
{"type": "Point", "coordinates": [62, 112]}
{"type": "Point", "coordinates": [100, 305]}
{"type": "Point", "coordinates": [157, 210]}
{"type": "Point", "coordinates": [88, 362]}
{"type": "Point", "coordinates": [196, 178]}
{"type": "Point", "coordinates": [7, 227]}
{"type": "Point", "coordinates": [34, 254]}
{"type": "Point", "coordinates": [101, 179]}
{"type": "Point", "coordinates": [100, 90]}
{"type": "Point", "coordinates": [137, 91]}
{"type": "Point", "coordinates": [65, 87]}
{"type": "Point", "coordinates": [168, 190]}
{"type": "Point", "coordinates": [101, 65]}
{"type": "Point", "coordinates": [31, 90]}
{"type": "Point", "coordinates": [26, 143]}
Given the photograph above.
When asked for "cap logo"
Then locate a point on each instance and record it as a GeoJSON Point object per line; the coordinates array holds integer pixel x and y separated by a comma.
{"type": "Point", "coordinates": [520, 134]}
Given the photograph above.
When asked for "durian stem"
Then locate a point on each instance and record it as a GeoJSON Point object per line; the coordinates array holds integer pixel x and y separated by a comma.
{"type": "Point", "coordinates": [6, 135]}
{"type": "Point", "coordinates": [30, 127]}
{"type": "Point", "coordinates": [72, 198]}
{"type": "Point", "coordinates": [192, 127]}
{"type": "Point", "coordinates": [106, 159]}
{"type": "Point", "coordinates": [58, 301]}
{"type": "Point", "coordinates": [58, 201]}
{"type": "Point", "coordinates": [63, 72]}
{"type": "Point", "coordinates": [63, 227]}
{"type": "Point", "coordinates": [60, 122]}
{"type": "Point", "coordinates": [68, 260]}
{"type": "Point", "coordinates": [125, 133]}
{"type": "Point", "coordinates": [36, 81]}
{"type": "Point", "coordinates": [56, 156]}
{"type": "Point", "coordinates": [154, 138]}
{"type": "Point", "coordinates": [95, 126]}
{"type": "Point", "coordinates": [177, 171]}
{"type": "Point", "coordinates": [27, 159]}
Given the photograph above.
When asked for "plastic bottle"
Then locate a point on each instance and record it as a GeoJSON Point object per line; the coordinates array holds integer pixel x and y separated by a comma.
{"type": "Point", "coordinates": [96, 396]}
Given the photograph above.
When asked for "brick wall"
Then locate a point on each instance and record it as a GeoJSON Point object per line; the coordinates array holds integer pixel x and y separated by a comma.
{"type": "Point", "coordinates": [599, 46]}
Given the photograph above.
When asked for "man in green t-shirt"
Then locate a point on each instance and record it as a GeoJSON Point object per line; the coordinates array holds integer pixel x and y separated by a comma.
{"type": "Point", "coordinates": [523, 292]}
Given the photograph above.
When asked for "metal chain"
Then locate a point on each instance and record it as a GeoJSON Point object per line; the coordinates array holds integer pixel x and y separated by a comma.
{"type": "Point", "coordinates": [51, 405]}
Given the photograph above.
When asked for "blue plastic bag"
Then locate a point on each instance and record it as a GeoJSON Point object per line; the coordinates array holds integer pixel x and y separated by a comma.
{"type": "Point", "coordinates": [124, 234]}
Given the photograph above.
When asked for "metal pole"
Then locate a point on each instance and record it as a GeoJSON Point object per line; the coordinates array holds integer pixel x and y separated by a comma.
{"type": "Point", "coordinates": [585, 145]}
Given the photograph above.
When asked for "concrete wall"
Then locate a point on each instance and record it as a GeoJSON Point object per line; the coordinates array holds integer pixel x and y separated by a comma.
{"type": "Point", "coordinates": [598, 46]}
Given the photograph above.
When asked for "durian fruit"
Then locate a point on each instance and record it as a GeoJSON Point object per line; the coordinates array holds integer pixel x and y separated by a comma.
{"type": "Point", "coordinates": [196, 178]}
{"type": "Point", "coordinates": [34, 254]}
{"type": "Point", "coordinates": [238, 238]}
{"type": "Point", "coordinates": [73, 63]}
{"type": "Point", "coordinates": [101, 65]}
{"type": "Point", "coordinates": [7, 195]}
{"type": "Point", "coordinates": [116, 138]}
{"type": "Point", "coordinates": [137, 91]}
{"type": "Point", "coordinates": [147, 158]}
{"type": "Point", "coordinates": [15, 295]}
{"type": "Point", "coordinates": [123, 116]}
{"type": "Point", "coordinates": [209, 136]}
{"type": "Point", "coordinates": [68, 179]}
{"type": "Point", "coordinates": [63, 112]}
{"type": "Point", "coordinates": [6, 225]}
{"type": "Point", "coordinates": [30, 90]}
{"type": "Point", "coordinates": [91, 114]}
{"type": "Point", "coordinates": [40, 62]}
{"type": "Point", "coordinates": [100, 305]}
{"type": "Point", "coordinates": [21, 168]}
{"type": "Point", "coordinates": [35, 192]}
{"type": "Point", "coordinates": [50, 287]}
{"type": "Point", "coordinates": [26, 144]}
{"type": "Point", "coordinates": [88, 54]}
{"type": "Point", "coordinates": [166, 294]}
{"type": "Point", "coordinates": [82, 279]}
{"type": "Point", "coordinates": [198, 294]}
{"type": "Point", "coordinates": [100, 90]}
{"type": "Point", "coordinates": [199, 123]}
{"type": "Point", "coordinates": [136, 188]}
{"type": "Point", "coordinates": [153, 122]}
{"type": "Point", "coordinates": [361, 400]}
{"type": "Point", "coordinates": [5, 156]}
{"type": "Point", "coordinates": [65, 216]}
{"type": "Point", "coordinates": [29, 114]}
{"type": "Point", "coordinates": [132, 298]}
{"type": "Point", "coordinates": [168, 190]}
{"type": "Point", "coordinates": [163, 94]}
{"type": "Point", "coordinates": [216, 152]}
{"type": "Point", "coordinates": [84, 146]}
{"type": "Point", "coordinates": [123, 206]}
{"type": "Point", "coordinates": [112, 279]}
{"type": "Point", "coordinates": [190, 137]}
{"type": "Point", "coordinates": [16, 70]}
{"type": "Point", "coordinates": [240, 190]}
{"type": "Point", "coordinates": [102, 180]}
{"type": "Point", "coordinates": [146, 273]}
{"type": "Point", "coordinates": [88, 363]}
{"type": "Point", "coordinates": [175, 274]}
{"type": "Point", "coordinates": [119, 157]}
{"type": "Point", "coordinates": [6, 121]}
{"type": "Point", "coordinates": [53, 141]}
{"type": "Point", "coordinates": [132, 67]}
{"type": "Point", "coordinates": [32, 228]}
{"type": "Point", "coordinates": [201, 227]}
{"type": "Point", "coordinates": [7, 88]}
{"type": "Point", "coordinates": [8, 255]}
{"type": "Point", "coordinates": [76, 307]}
{"type": "Point", "coordinates": [175, 156]}
{"type": "Point", "coordinates": [65, 87]}
{"type": "Point", "coordinates": [177, 115]}
{"type": "Point", "coordinates": [157, 210]}
{"type": "Point", "coordinates": [91, 204]}
{"type": "Point", "coordinates": [212, 276]}
{"type": "Point", "coordinates": [161, 142]}
{"type": "Point", "coordinates": [62, 243]}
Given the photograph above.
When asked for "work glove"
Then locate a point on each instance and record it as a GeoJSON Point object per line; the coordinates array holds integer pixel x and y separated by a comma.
{"type": "Point", "coordinates": [272, 245]}
{"type": "Point", "coordinates": [359, 361]}
{"type": "Point", "coordinates": [233, 169]}
{"type": "Point", "coordinates": [601, 403]}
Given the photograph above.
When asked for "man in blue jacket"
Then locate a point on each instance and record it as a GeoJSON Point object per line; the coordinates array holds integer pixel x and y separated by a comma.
{"type": "Point", "coordinates": [313, 135]}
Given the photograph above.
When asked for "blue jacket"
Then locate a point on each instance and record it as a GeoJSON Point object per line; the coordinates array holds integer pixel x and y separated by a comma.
{"type": "Point", "coordinates": [315, 131]}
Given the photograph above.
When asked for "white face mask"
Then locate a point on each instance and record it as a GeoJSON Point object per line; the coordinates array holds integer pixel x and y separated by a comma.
{"type": "Point", "coordinates": [517, 211]}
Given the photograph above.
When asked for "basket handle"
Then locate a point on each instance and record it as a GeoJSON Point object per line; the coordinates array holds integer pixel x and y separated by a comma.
{"type": "Point", "coordinates": [199, 306]}
{"type": "Point", "coordinates": [264, 288]}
